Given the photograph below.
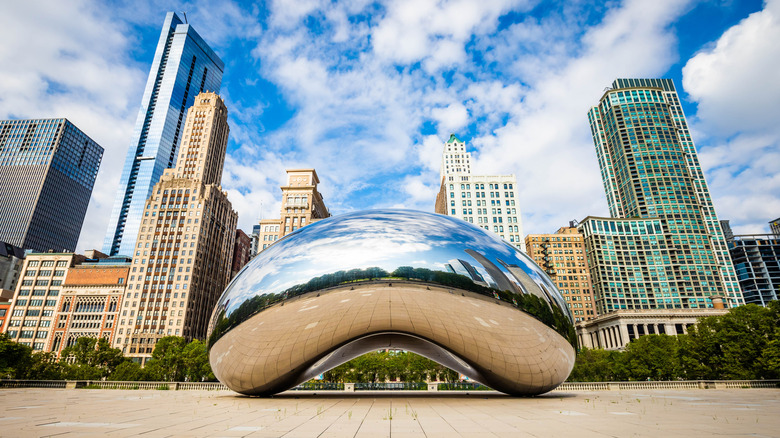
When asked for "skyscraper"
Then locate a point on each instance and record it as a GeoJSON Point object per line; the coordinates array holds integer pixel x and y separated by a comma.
{"type": "Point", "coordinates": [184, 250]}
{"type": "Point", "coordinates": [757, 264]}
{"type": "Point", "coordinates": [184, 65]}
{"type": "Point", "coordinates": [487, 201]}
{"type": "Point", "coordinates": [663, 246]}
{"type": "Point", "coordinates": [47, 171]}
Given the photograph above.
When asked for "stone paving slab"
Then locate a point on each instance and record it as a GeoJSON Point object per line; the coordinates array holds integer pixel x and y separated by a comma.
{"type": "Point", "coordinates": [151, 413]}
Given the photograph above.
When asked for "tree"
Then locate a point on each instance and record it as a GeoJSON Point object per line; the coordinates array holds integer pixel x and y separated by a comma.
{"type": "Point", "coordinates": [737, 345]}
{"type": "Point", "coordinates": [175, 360]}
{"type": "Point", "coordinates": [196, 362]}
{"type": "Point", "coordinates": [652, 357]}
{"type": "Point", "coordinates": [44, 366]}
{"type": "Point", "coordinates": [597, 365]}
{"type": "Point", "coordinates": [90, 359]}
{"type": "Point", "coordinates": [14, 358]}
{"type": "Point", "coordinates": [167, 363]}
{"type": "Point", "coordinates": [129, 371]}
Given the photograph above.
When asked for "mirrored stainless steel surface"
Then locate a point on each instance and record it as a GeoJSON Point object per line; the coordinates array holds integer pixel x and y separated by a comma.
{"type": "Point", "coordinates": [423, 282]}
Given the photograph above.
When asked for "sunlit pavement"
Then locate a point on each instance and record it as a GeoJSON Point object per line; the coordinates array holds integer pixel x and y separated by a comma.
{"type": "Point", "coordinates": [652, 413]}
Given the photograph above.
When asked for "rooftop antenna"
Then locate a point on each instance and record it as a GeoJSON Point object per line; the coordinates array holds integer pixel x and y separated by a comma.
{"type": "Point", "coordinates": [185, 17]}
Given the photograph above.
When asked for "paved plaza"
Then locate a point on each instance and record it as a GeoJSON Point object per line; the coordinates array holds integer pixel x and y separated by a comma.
{"type": "Point", "coordinates": [153, 413]}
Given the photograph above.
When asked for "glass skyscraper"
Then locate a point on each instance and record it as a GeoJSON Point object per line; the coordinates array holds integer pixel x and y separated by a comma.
{"type": "Point", "coordinates": [663, 247]}
{"type": "Point", "coordinates": [47, 171]}
{"type": "Point", "coordinates": [184, 65]}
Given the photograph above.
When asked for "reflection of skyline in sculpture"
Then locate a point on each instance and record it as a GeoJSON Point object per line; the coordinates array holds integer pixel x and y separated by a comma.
{"type": "Point", "coordinates": [526, 282]}
{"type": "Point", "coordinates": [337, 288]}
{"type": "Point", "coordinates": [462, 267]}
{"type": "Point", "coordinates": [499, 278]}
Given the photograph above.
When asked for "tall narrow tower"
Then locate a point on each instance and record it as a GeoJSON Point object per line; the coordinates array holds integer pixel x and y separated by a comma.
{"type": "Point", "coordinates": [659, 203]}
{"type": "Point", "coordinates": [184, 65]}
{"type": "Point", "coordinates": [183, 254]}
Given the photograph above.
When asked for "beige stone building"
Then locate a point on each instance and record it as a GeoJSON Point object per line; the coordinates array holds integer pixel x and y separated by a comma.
{"type": "Point", "coordinates": [302, 204]}
{"type": "Point", "coordinates": [182, 260]}
{"type": "Point", "coordinates": [616, 329]}
{"type": "Point", "coordinates": [562, 256]}
{"type": "Point", "coordinates": [91, 300]}
{"type": "Point", "coordinates": [37, 297]}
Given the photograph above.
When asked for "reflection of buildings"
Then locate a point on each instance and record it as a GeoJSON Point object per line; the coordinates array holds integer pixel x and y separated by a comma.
{"type": "Point", "coordinates": [488, 201]}
{"type": "Point", "coordinates": [663, 246]}
{"type": "Point", "coordinates": [562, 256]}
{"type": "Point", "coordinates": [462, 267]}
{"type": "Point", "coordinates": [183, 66]}
{"type": "Point", "coordinates": [302, 204]}
{"type": "Point", "coordinates": [757, 263]}
{"type": "Point", "coordinates": [499, 279]}
{"type": "Point", "coordinates": [526, 282]}
{"type": "Point", "coordinates": [182, 259]}
{"type": "Point", "coordinates": [47, 171]}
{"type": "Point", "coordinates": [91, 300]}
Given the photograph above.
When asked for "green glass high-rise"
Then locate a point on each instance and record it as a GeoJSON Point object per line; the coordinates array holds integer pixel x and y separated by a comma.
{"type": "Point", "coordinates": [663, 246]}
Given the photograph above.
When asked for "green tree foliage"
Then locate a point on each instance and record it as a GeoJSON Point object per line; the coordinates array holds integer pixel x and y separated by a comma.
{"type": "Point", "coordinates": [597, 365]}
{"type": "Point", "coordinates": [129, 371]}
{"type": "Point", "coordinates": [742, 344]}
{"type": "Point", "coordinates": [90, 359]}
{"type": "Point", "coordinates": [175, 360]}
{"type": "Point", "coordinates": [93, 359]}
{"type": "Point", "coordinates": [15, 358]}
{"type": "Point", "coordinates": [381, 366]}
{"type": "Point", "coordinates": [652, 357]}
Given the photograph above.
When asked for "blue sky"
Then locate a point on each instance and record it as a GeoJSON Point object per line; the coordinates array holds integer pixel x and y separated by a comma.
{"type": "Point", "coordinates": [367, 92]}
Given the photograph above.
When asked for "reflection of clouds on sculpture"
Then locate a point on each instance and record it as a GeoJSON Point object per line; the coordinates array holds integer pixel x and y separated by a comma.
{"type": "Point", "coordinates": [374, 238]}
{"type": "Point", "coordinates": [388, 240]}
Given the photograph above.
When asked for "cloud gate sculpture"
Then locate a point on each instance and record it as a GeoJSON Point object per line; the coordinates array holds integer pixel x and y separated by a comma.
{"type": "Point", "coordinates": [363, 281]}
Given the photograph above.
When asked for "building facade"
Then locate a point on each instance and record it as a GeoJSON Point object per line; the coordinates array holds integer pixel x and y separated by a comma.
{"type": "Point", "coordinates": [241, 252]}
{"type": "Point", "coordinates": [182, 260]}
{"type": "Point", "coordinates": [302, 204]}
{"type": "Point", "coordinates": [663, 247]}
{"type": "Point", "coordinates": [37, 298]}
{"type": "Point", "coordinates": [45, 164]}
{"type": "Point", "coordinates": [488, 201]}
{"type": "Point", "coordinates": [775, 226]}
{"type": "Point", "coordinates": [183, 66]}
{"type": "Point", "coordinates": [254, 240]}
{"type": "Point", "coordinates": [90, 301]}
{"type": "Point", "coordinates": [757, 263]}
{"type": "Point", "coordinates": [562, 256]}
{"type": "Point", "coordinates": [616, 329]}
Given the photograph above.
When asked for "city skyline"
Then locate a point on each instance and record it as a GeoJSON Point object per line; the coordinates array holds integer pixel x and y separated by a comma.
{"type": "Point", "coordinates": [513, 81]}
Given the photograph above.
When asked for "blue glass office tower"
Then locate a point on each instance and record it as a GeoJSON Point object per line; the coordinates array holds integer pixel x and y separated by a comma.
{"type": "Point", "coordinates": [184, 65]}
{"type": "Point", "coordinates": [47, 171]}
